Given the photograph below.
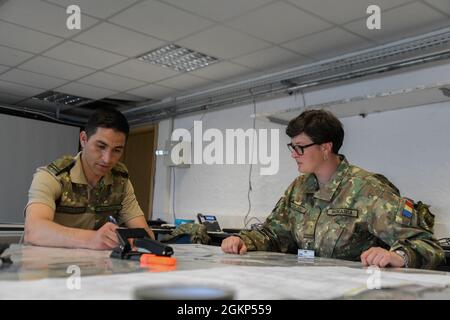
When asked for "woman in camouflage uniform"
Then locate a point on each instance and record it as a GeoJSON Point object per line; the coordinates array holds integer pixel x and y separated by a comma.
{"type": "Point", "coordinates": [338, 210]}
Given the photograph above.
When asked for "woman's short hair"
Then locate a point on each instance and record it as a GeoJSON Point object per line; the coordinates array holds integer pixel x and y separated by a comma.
{"type": "Point", "coordinates": [320, 125]}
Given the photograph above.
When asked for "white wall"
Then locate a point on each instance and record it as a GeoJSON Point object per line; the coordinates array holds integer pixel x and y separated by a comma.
{"type": "Point", "coordinates": [26, 144]}
{"type": "Point", "coordinates": [410, 146]}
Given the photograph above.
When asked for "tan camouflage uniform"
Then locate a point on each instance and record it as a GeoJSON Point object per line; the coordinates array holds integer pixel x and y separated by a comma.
{"type": "Point", "coordinates": [62, 186]}
{"type": "Point", "coordinates": [350, 214]}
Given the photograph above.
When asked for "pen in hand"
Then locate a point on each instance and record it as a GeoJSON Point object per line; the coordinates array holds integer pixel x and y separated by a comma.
{"type": "Point", "coordinates": [112, 220]}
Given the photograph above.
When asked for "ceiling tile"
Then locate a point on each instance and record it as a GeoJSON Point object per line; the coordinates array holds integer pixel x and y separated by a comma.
{"type": "Point", "coordinates": [292, 23]}
{"type": "Point", "coordinates": [443, 5]}
{"type": "Point", "coordinates": [55, 68]}
{"type": "Point", "coordinates": [9, 98]}
{"type": "Point", "coordinates": [116, 39]}
{"type": "Point", "coordinates": [41, 16]}
{"type": "Point", "coordinates": [222, 42]}
{"type": "Point", "coordinates": [83, 55]}
{"type": "Point", "coordinates": [218, 10]}
{"type": "Point", "coordinates": [31, 79]}
{"type": "Point", "coordinates": [97, 8]}
{"type": "Point", "coordinates": [86, 91]}
{"type": "Point", "coordinates": [160, 20]}
{"type": "Point", "coordinates": [406, 21]}
{"type": "Point", "coordinates": [3, 68]}
{"type": "Point", "coordinates": [111, 81]}
{"type": "Point", "coordinates": [270, 58]}
{"type": "Point", "coordinates": [153, 91]}
{"type": "Point", "coordinates": [18, 90]}
{"type": "Point", "coordinates": [12, 57]}
{"type": "Point", "coordinates": [142, 71]}
{"type": "Point", "coordinates": [347, 10]}
{"type": "Point", "coordinates": [328, 44]}
{"type": "Point", "coordinates": [185, 82]}
{"type": "Point", "coordinates": [222, 71]}
{"type": "Point", "coordinates": [25, 39]}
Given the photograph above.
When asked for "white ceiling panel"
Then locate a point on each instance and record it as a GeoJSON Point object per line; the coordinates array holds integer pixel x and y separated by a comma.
{"type": "Point", "coordinates": [86, 91]}
{"type": "Point", "coordinates": [83, 55]}
{"type": "Point", "coordinates": [9, 98]}
{"type": "Point", "coordinates": [278, 22]}
{"type": "Point", "coordinates": [342, 11]}
{"type": "Point", "coordinates": [18, 90]}
{"type": "Point", "coordinates": [218, 10]}
{"type": "Point", "coordinates": [270, 58]}
{"type": "Point", "coordinates": [222, 42]}
{"type": "Point", "coordinates": [41, 16]}
{"type": "Point", "coordinates": [185, 82]}
{"type": "Point", "coordinates": [31, 79]}
{"type": "Point", "coordinates": [152, 91]}
{"type": "Point", "coordinates": [142, 71]}
{"type": "Point", "coordinates": [111, 81]}
{"type": "Point", "coordinates": [55, 68]}
{"type": "Point", "coordinates": [3, 68]}
{"type": "Point", "coordinates": [328, 43]}
{"type": "Point", "coordinates": [12, 57]}
{"type": "Point", "coordinates": [119, 40]}
{"type": "Point", "coordinates": [160, 20]}
{"type": "Point", "coordinates": [25, 39]}
{"type": "Point", "coordinates": [97, 8]}
{"type": "Point", "coordinates": [396, 24]}
{"type": "Point", "coordinates": [221, 71]}
{"type": "Point", "coordinates": [443, 5]}
{"type": "Point", "coordinates": [251, 38]}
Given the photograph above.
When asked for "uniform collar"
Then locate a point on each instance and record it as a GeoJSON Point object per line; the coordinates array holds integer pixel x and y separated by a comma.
{"type": "Point", "coordinates": [77, 173]}
{"type": "Point", "coordinates": [327, 191]}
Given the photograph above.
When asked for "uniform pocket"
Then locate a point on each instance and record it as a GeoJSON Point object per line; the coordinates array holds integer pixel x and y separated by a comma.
{"type": "Point", "coordinates": [297, 207]}
{"type": "Point", "coordinates": [72, 210]}
{"type": "Point", "coordinates": [115, 209]}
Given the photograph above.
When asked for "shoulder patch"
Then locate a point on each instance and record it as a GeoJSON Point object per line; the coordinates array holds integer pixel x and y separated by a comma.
{"type": "Point", "coordinates": [407, 209]}
{"type": "Point", "coordinates": [61, 165]}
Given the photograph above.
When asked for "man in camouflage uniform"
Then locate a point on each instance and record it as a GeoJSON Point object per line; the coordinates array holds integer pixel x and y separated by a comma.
{"type": "Point", "coordinates": [78, 201]}
{"type": "Point", "coordinates": [339, 210]}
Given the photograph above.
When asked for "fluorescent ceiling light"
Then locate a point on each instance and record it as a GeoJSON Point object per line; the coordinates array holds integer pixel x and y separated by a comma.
{"type": "Point", "coordinates": [178, 58]}
{"type": "Point", "coordinates": [61, 98]}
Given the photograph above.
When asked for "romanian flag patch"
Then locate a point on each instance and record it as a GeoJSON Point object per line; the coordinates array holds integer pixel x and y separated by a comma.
{"type": "Point", "coordinates": [407, 209]}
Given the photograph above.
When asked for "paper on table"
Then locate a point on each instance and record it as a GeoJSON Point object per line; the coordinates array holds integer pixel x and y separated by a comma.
{"type": "Point", "coordinates": [247, 283]}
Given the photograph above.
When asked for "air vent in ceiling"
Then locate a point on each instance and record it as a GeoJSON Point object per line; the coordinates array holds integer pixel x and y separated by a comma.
{"type": "Point", "coordinates": [61, 98]}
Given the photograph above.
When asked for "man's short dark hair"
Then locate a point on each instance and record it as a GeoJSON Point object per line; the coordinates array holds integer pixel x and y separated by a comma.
{"type": "Point", "coordinates": [320, 125]}
{"type": "Point", "coordinates": [107, 118]}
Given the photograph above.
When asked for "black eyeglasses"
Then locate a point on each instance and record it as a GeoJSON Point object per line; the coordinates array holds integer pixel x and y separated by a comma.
{"type": "Point", "coordinates": [298, 148]}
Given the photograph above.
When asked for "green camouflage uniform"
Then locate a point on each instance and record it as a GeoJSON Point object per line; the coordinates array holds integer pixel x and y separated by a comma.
{"type": "Point", "coordinates": [353, 212]}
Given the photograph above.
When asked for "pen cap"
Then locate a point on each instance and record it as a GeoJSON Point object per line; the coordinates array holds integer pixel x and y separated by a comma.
{"type": "Point", "coordinates": [154, 259]}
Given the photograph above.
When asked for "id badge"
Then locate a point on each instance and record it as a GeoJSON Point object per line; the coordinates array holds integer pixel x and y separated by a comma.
{"type": "Point", "coordinates": [305, 254]}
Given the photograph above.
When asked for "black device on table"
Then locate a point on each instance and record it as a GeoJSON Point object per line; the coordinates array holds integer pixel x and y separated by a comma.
{"type": "Point", "coordinates": [142, 242]}
{"type": "Point", "coordinates": [210, 222]}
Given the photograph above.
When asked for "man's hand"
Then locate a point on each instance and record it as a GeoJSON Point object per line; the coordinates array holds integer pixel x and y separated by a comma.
{"type": "Point", "coordinates": [105, 238]}
{"type": "Point", "coordinates": [234, 245]}
{"type": "Point", "coordinates": [380, 257]}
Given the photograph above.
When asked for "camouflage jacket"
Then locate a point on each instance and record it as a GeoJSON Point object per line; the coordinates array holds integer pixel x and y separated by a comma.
{"type": "Point", "coordinates": [351, 213]}
{"type": "Point", "coordinates": [77, 206]}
